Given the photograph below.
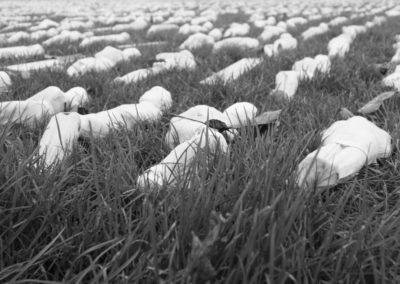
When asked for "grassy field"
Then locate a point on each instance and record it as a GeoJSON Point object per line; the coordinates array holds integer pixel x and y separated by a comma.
{"type": "Point", "coordinates": [240, 220]}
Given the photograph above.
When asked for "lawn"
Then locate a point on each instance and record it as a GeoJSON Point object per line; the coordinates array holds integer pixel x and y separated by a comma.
{"type": "Point", "coordinates": [238, 219]}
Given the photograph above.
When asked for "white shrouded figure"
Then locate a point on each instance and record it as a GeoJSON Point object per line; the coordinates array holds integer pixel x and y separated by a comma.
{"type": "Point", "coordinates": [125, 116]}
{"type": "Point", "coordinates": [271, 32]}
{"type": "Point", "coordinates": [24, 112]}
{"type": "Point", "coordinates": [64, 129]}
{"type": "Point", "coordinates": [188, 29]}
{"type": "Point", "coordinates": [307, 67]}
{"type": "Point", "coordinates": [282, 25]}
{"type": "Point", "coordinates": [44, 25]}
{"type": "Point", "coordinates": [43, 34]}
{"type": "Point", "coordinates": [138, 75]}
{"type": "Point", "coordinates": [178, 163]}
{"type": "Point", "coordinates": [59, 138]}
{"type": "Point", "coordinates": [392, 80]}
{"type": "Point", "coordinates": [5, 82]}
{"type": "Point", "coordinates": [90, 64]}
{"type": "Point", "coordinates": [338, 21]}
{"type": "Point", "coordinates": [347, 145]}
{"type": "Point", "coordinates": [197, 41]}
{"type": "Point", "coordinates": [26, 69]}
{"type": "Point", "coordinates": [75, 98]}
{"type": "Point", "coordinates": [111, 53]}
{"type": "Point", "coordinates": [396, 56]}
{"type": "Point", "coordinates": [239, 43]}
{"type": "Point", "coordinates": [108, 39]}
{"type": "Point", "coordinates": [159, 97]}
{"type": "Point", "coordinates": [131, 53]}
{"type": "Point", "coordinates": [262, 22]}
{"type": "Point", "coordinates": [286, 84]}
{"type": "Point", "coordinates": [208, 26]}
{"type": "Point", "coordinates": [323, 63]}
{"type": "Point", "coordinates": [237, 29]}
{"type": "Point", "coordinates": [66, 37]}
{"type": "Point", "coordinates": [184, 126]}
{"type": "Point", "coordinates": [269, 50]}
{"type": "Point", "coordinates": [396, 46]}
{"type": "Point", "coordinates": [53, 96]}
{"type": "Point", "coordinates": [339, 46]}
{"type": "Point", "coordinates": [285, 42]}
{"type": "Point", "coordinates": [233, 71]}
{"type": "Point", "coordinates": [138, 25]}
{"type": "Point", "coordinates": [240, 114]}
{"type": "Point", "coordinates": [17, 36]}
{"type": "Point", "coordinates": [45, 103]}
{"type": "Point", "coordinates": [103, 60]}
{"type": "Point", "coordinates": [354, 30]}
{"type": "Point", "coordinates": [183, 60]}
{"type": "Point", "coordinates": [216, 34]}
{"type": "Point", "coordinates": [21, 52]}
{"type": "Point", "coordinates": [296, 21]}
{"type": "Point", "coordinates": [315, 31]}
{"type": "Point", "coordinates": [161, 30]}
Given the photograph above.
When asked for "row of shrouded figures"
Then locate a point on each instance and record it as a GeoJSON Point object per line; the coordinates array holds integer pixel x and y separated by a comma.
{"type": "Point", "coordinates": [286, 81]}
{"type": "Point", "coordinates": [109, 57]}
{"type": "Point", "coordinates": [347, 145]}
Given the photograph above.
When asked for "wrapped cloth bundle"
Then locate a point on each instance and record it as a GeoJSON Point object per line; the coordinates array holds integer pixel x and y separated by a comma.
{"type": "Point", "coordinates": [315, 31]}
{"type": "Point", "coordinates": [162, 30]}
{"type": "Point", "coordinates": [271, 32]}
{"type": "Point", "coordinates": [197, 41]}
{"type": "Point", "coordinates": [195, 131]}
{"type": "Point", "coordinates": [286, 84]}
{"type": "Point", "coordinates": [178, 163]}
{"type": "Point", "coordinates": [307, 67]}
{"type": "Point", "coordinates": [5, 82]}
{"type": "Point", "coordinates": [47, 102]}
{"type": "Point", "coordinates": [183, 60]}
{"type": "Point", "coordinates": [66, 37]}
{"type": "Point", "coordinates": [64, 129]}
{"type": "Point", "coordinates": [216, 34]}
{"type": "Point", "coordinates": [233, 71]}
{"type": "Point", "coordinates": [103, 60]}
{"type": "Point", "coordinates": [184, 126]}
{"type": "Point", "coordinates": [347, 146]}
{"type": "Point", "coordinates": [285, 42]}
{"type": "Point", "coordinates": [237, 29]}
{"type": "Point", "coordinates": [26, 69]}
{"type": "Point", "coordinates": [21, 52]}
{"type": "Point", "coordinates": [237, 43]}
{"type": "Point", "coordinates": [188, 29]}
{"type": "Point", "coordinates": [108, 39]}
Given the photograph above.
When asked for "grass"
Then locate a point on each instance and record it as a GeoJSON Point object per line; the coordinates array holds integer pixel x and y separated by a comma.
{"type": "Point", "coordinates": [239, 220]}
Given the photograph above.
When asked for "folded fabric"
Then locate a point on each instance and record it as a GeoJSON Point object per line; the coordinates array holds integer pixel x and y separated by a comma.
{"type": "Point", "coordinates": [347, 146]}
{"type": "Point", "coordinates": [49, 101]}
{"type": "Point", "coordinates": [178, 164]}
{"type": "Point", "coordinates": [233, 71]}
{"type": "Point", "coordinates": [64, 129]}
{"type": "Point", "coordinates": [21, 52]}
